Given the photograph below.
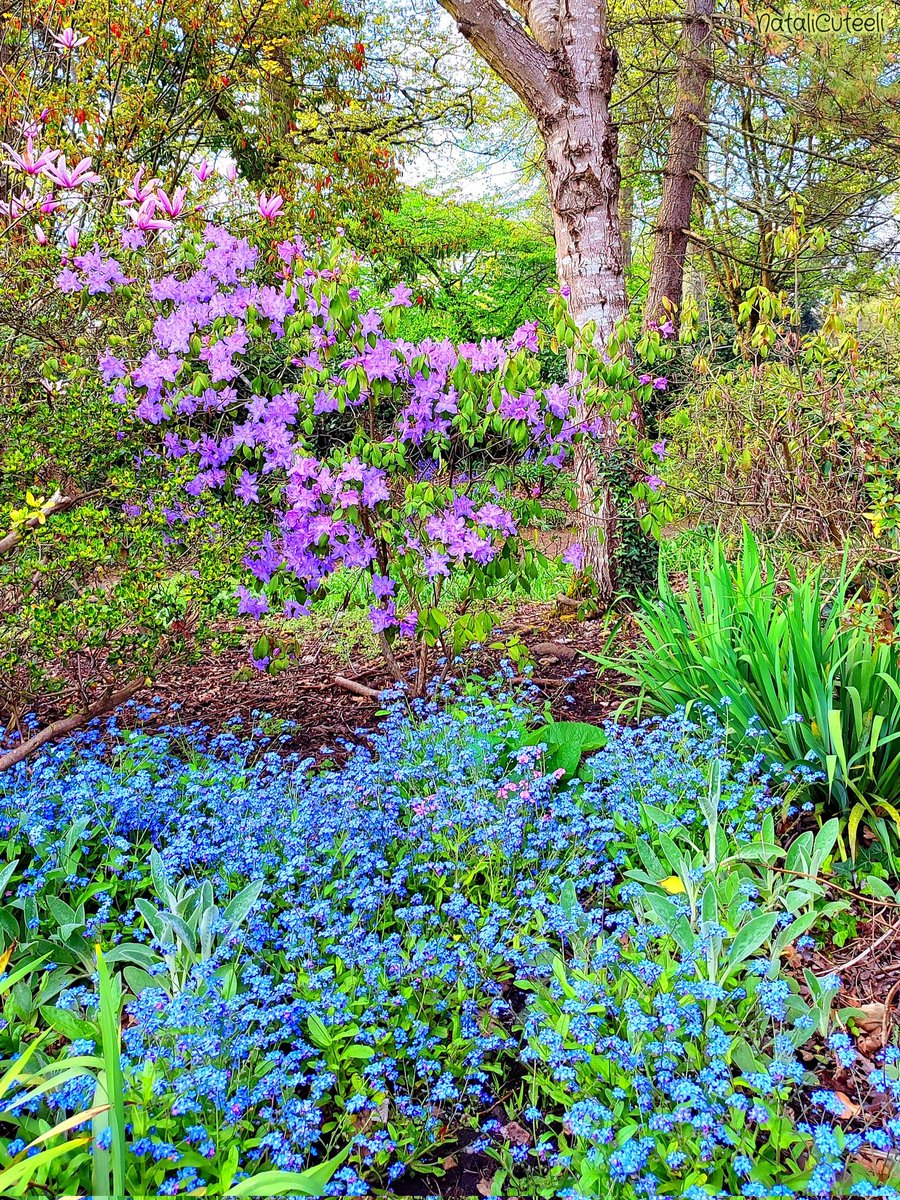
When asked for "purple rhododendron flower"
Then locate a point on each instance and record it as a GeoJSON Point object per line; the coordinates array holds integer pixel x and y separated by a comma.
{"type": "Point", "coordinates": [246, 489]}
{"type": "Point", "coordinates": [436, 564]}
{"type": "Point", "coordinates": [382, 586]}
{"type": "Point", "coordinates": [401, 296]}
{"type": "Point", "coordinates": [574, 555]}
{"type": "Point", "coordinates": [111, 367]}
{"type": "Point", "coordinates": [409, 623]}
{"type": "Point", "coordinates": [250, 605]}
{"type": "Point", "coordinates": [384, 618]}
{"type": "Point", "coordinates": [293, 609]}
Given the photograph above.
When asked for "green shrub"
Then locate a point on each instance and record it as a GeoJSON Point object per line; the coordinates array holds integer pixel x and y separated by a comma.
{"type": "Point", "coordinates": [737, 641]}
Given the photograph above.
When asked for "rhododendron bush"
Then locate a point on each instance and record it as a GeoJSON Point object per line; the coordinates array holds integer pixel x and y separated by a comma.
{"type": "Point", "coordinates": [275, 378]}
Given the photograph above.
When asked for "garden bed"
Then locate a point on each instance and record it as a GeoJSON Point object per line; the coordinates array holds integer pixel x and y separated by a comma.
{"type": "Point", "coordinates": [446, 968]}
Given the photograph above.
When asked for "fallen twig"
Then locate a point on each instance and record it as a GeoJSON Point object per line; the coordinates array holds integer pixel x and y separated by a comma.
{"type": "Point", "coordinates": [358, 689]}
{"type": "Point", "coordinates": [885, 937]}
{"type": "Point", "coordinates": [107, 701]}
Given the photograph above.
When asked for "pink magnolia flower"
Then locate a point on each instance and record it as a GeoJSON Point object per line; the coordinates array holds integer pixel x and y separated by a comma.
{"type": "Point", "coordinates": [139, 191]}
{"type": "Point", "coordinates": [230, 172]}
{"type": "Point", "coordinates": [17, 205]}
{"type": "Point", "coordinates": [72, 236]}
{"type": "Point", "coordinates": [172, 206]}
{"type": "Point", "coordinates": [64, 176]}
{"type": "Point", "coordinates": [39, 236]}
{"type": "Point", "coordinates": [28, 162]}
{"type": "Point", "coordinates": [67, 41]}
{"type": "Point", "coordinates": [269, 207]}
{"type": "Point", "coordinates": [203, 172]}
{"type": "Point", "coordinates": [143, 217]}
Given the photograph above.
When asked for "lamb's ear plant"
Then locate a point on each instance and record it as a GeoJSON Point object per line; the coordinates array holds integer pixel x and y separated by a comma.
{"type": "Point", "coordinates": [799, 661]}
{"type": "Point", "coordinates": [191, 926]}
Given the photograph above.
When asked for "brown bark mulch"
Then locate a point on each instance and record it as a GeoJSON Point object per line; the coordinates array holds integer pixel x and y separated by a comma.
{"type": "Point", "coordinates": [220, 688]}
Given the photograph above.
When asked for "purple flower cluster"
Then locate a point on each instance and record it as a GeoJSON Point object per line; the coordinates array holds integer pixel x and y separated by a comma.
{"type": "Point", "coordinates": [212, 326]}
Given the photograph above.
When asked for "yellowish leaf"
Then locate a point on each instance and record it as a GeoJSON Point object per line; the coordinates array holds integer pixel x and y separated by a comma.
{"type": "Point", "coordinates": [672, 884]}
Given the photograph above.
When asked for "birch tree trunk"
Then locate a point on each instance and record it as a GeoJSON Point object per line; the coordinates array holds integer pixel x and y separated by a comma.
{"type": "Point", "coordinates": [687, 136]}
{"type": "Point", "coordinates": [563, 72]}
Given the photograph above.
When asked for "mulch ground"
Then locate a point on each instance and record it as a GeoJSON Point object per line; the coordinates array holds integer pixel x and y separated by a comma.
{"type": "Point", "coordinates": [220, 688]}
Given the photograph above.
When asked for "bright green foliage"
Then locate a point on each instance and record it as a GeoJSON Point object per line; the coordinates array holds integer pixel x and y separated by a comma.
{"type": "Point", "coordinates": [481, 270]}
{"type": "Point", "coordinates": [567, 744]}
{"type": "Point", "coordinates": [106, 585]}
{"type": "Point", "coordinates": [796, 661]}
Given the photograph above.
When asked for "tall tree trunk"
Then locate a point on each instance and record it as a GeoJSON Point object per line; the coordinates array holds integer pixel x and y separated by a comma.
{"type": "Point", "coordinates": [626, 204]}
{"type": "Point", "coordinates": [690, 117]}
{"type": "Point", "coordinates": [564, 76]}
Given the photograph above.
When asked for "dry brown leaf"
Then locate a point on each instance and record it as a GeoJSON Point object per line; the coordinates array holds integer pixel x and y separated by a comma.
{"type": "Point", "coordinates": [449, 1163]}
{"type": "Point", "coordinates": [880, 1165]}
{"type": "Point", "coordinates": [872, 1018]}
{"type": "Point", "coordinates": [850, 1109]}
{"type": "Point", "coordinates": [516, 1134]}
{"type": "Point", "coordinates": [485, 1187]}
{"type": "Point", "coordinates": [869, 1046]}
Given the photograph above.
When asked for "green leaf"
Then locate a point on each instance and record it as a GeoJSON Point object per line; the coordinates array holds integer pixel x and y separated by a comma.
{"type": "Point", "coordinates": [110, 996]}
{"type": "Point", "coordinates": [280, 1183]}
{"type": "Point", "coordinates": [6, 874]}
{"type": "Point", "coordinates": [237, 909]}
{"type": "Point", "coordinates": [158, 874]}
{"type": "Point", "coordinates": [754, 934]}
{"type": "Point", "coordinates": [318, 1033]}
{"type": "Point", "coordinates": [64, 1021]}
{"type": "Point", "coordinates": [138, 979]}
{"type": "Point", "coordinates": [364, 1052]}
{"type": "Point", "coordinates": [152, 916]}
{"type": "Point", "coordinates": [567, 742]}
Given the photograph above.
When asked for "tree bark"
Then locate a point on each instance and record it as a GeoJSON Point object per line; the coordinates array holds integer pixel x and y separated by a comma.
{"type": "Point", "coordinates": [564, 76]}
{"type": "Point", "coordinates": [626, 203]}
{"type": "Point", "coordinates": [687, 134]}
